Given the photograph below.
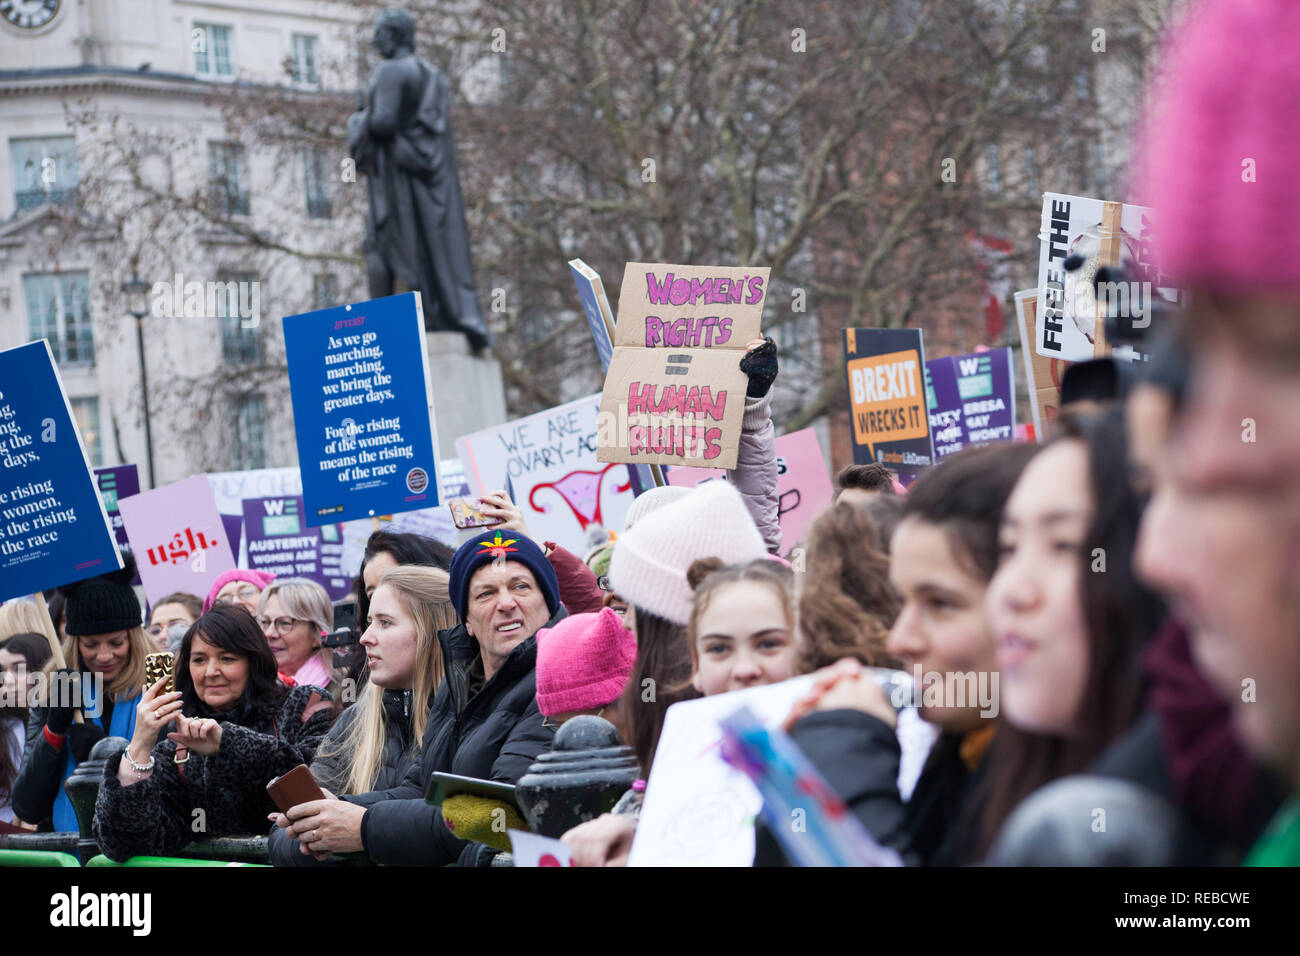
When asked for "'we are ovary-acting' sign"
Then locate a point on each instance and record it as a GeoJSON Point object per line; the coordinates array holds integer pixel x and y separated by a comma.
{"type": "Point", "coordinates": [674, 393]}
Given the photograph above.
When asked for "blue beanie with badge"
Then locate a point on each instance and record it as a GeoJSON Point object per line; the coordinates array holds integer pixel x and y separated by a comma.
{"type": "Point", "coordinates": [493, 545]}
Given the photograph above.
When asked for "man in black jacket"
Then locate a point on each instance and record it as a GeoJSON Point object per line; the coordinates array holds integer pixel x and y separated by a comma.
{"type": "Point", "coordinates": [484, 721]}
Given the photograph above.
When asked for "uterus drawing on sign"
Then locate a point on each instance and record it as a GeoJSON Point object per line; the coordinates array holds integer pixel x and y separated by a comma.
{"type": "Point", "coordinates": [580, 490]}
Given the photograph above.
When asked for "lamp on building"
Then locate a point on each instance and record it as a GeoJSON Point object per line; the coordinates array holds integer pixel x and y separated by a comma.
{"type": "Point", "coordinates": [136, 291]}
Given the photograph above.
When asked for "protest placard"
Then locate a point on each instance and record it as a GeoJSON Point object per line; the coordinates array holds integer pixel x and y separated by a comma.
{"type": "Point", "coordinates": [278, 542]}
{"type": "Point", "coordinates": [116, 482]}
{"type": "Point", "coordinates": [362, 409]}
{"type": "Point", "coordinates": [803, 487]}
{"type": "Point", "coordinates": [1042, 374]}
{"type": "Point", "coordinates": [674, 393]}
{"type": "Point", "coordinates": [971, 399]}
{"type": "Point", "coordinates": [53, 527]}
{"type": "Point", "coordinates": [595, 306]}
{"type": "Point", "coordinates": [532, 849]}
{"type": "Point", "coordinates": [549, 462]}
{"type": "Point", "coordinates": [231, 488]}
{"type": "Point", "coordinates": [178, 538]}
{"type": "Point", "coordinates": [887, 398]}
{"type": "Point", "coordinates": [1068, 323]}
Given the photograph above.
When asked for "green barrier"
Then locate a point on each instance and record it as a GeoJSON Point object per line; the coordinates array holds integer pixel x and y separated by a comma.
{"type": "Point", "coordinates": [102, 860]}
{"type": "Point", "coordinates": [36, 858]}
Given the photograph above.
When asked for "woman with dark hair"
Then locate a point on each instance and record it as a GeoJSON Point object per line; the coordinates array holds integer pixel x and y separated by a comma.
{"type": "Point", "coordinates": [386, 550]}
{"type": "Point", "coordinates": [1070, 619]}
{"type": "Point", "coordinates": [235, 726]}
{"type": "Point", "coordinates": [21, 658]}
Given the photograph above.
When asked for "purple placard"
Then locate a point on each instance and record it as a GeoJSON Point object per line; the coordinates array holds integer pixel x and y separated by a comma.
{"type": "Point", "coordinates": [279, 542]}
{"type": "Point", "coordinates": [971, 400]}
{"type": "Point", "coordinates": [114, 483]}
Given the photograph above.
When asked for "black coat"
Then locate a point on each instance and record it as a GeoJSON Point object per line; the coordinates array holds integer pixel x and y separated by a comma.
{"type": "Point", "coordinates": [858, 755]}
{"type": "Point", "coordinates": [157, 816]}
{"type": "Point", "coordinates": [495, 734]}
{"type": "Point", "coordinates": [331, 766]}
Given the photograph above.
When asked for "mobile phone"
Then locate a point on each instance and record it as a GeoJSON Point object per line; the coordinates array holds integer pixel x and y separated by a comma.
{"type": "Point", "coordinates": [159, 665]}
{"type": "Point", "coordinates": [345, 625]}
{"type": "Point", "coordinates": [295, 787]}
{"type": "Point", "coordinates": [468, 513]}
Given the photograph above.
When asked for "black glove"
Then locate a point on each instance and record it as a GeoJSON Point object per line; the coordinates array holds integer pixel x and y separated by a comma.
{"type": "Point", "coordinates": [760, 365]}
{"type": "Point", "coordinates": [59, 719]}
{"type": "Point", "coordinates": [81, 737]}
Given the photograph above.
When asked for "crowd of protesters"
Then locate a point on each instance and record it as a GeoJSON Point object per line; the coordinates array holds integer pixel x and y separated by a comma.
{"type": "Point", "coordinates": [1123, 596]}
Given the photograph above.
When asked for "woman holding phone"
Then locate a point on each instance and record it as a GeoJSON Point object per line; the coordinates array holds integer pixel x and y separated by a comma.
{"type": "Point", "coordinates": [234, 726]}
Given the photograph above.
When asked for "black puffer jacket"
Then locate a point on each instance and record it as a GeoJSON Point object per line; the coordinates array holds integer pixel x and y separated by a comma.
{"type": "Point", "coordinates": [495, 734]}
{"type": "Point", "coordinates": [158, 816]}
{"type": "Point", "coordinates": [331, 766]}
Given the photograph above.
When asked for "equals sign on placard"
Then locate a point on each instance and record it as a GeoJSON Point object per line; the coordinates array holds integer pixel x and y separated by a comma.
{"type": "Point", "coordinates": [677, 365]}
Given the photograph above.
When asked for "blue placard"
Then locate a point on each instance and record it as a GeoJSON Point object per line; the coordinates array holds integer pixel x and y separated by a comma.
{"type": "Point", "coordinates": [358, 377]}
{"type": "Point", "coordinates": [587, 292]}
{"type": "Point", "coordinates": [53, 529]}
{"type": "Point", "coordinates": [971, 400]}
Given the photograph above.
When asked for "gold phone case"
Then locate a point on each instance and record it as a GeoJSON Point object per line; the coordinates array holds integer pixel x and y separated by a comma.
{"type": "Point", "coordinates": [158, 666]}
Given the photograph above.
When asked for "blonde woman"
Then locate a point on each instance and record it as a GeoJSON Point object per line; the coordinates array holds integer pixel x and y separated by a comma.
{"type": "Point", "coordinates": [377, 740]}
{"type": "Point", "coordinates": [107, 644]}
{"type": "Point", "coordinates": [296, 613]}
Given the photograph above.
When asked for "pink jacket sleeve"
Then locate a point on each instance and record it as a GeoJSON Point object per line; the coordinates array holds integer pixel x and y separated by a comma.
{"type": "Point", "coordinates": [755, 473]}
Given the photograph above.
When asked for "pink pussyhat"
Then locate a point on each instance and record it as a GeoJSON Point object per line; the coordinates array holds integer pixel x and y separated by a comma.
{"type": "Point", "coordinates": [1221, 154]}
{"type": "Point", "coordinates": [583, 662]}
{"type": "Point", "coordinates": [260, 579]}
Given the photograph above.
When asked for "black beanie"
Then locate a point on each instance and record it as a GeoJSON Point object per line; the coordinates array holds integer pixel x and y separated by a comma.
{"type": "Point", "coordinates": [104, 604]}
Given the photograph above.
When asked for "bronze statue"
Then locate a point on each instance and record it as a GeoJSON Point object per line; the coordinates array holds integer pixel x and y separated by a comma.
{"type": "Point", "coordinates": [415, 230]}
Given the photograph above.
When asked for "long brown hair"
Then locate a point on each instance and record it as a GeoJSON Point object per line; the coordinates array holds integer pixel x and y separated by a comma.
{"type": "Point", "coordinates": [660, 678]}
{"type": "Point", "coordinates": [847, 605]}
{"type": "Point", "coordinates": [1120, 614]}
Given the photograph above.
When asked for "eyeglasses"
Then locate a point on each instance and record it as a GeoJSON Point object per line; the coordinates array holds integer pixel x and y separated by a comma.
{"type": "Point", "coordinates": [246, 593]}
{"type": "Point", "coordinates": [283, 625]}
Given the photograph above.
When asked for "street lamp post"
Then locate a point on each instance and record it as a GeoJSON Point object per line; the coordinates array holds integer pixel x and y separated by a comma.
{"type": "Point", "coordinates": [137, 303]}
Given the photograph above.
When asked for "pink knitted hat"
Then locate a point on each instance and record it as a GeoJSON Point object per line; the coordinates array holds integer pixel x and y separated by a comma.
{"type": "Point", "coordinates": [583, 662]}
{"type": "Point", "coordinates": [1221, 156]}
{"type": "Point", "coordinates": [259, 578]}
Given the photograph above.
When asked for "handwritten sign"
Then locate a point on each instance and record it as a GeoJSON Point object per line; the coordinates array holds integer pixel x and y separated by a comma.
{"type": "Point", "coordinates": [887, 397]}
{"type": "Point", "coordinates": [362, 409]}
{"type": "Point", "coordinates": [674, 393]}
{"type": "Point", "coordinates": [971, 400]}
{"type": "Point", "coordinates": [53, 527]}
{"type": "Point", "coordinates": [531, 849]}
{"type": "Point", "coordinates": [803, 483]}
{"type": "Point", "coordinates": [549, 462]}
{"type": "Point", "coordinates": [179, 541]}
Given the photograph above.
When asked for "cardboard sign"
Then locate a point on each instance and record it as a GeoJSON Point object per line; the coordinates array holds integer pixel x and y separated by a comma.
{"type": "Point", "coordinates": [115, 482]}
{"type": "Point", "coordinates": [279, 543]}
{"type": "Point", "coordinates": [362, 409]}
{"type": "Point", "coordinates": [595, 306]}
{"type": "Point", "coordinates": [179, 541]}
{"type": "Point", "coordinates": [674, 393]}
{"type": "Point", "coordinates": [548, 461]}
{"type": "Point", "coordinates": [1068, 326]}
{"type": "Point", "coordinates": [1042, 375]}
{"type": "Point", "coordinates": [53, 527]}
{"type": "Point", "coordinates": [971, 399]}
{"type": "Point", "coordinates": [887, 397]}
{"type": "Point", "coordinates": [804, 485]}
{"type": "Point", "coordinates": [531, 849]}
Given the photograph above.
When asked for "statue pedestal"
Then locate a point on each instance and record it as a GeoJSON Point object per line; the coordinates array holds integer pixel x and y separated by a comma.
{"type": "Point", "coordinates": [468, 392]}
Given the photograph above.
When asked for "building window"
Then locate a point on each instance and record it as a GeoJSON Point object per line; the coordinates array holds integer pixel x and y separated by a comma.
{"type": "Point", "coordinates": [45, 170]}
{"type": "Point", "coordinates": [304, 59]}
{"type": "Point", "coordinates": [86, 413]}
{"type": "Point", "coordinates": [318, 201]}
{"type": "Point", "coordinates": [226, 178]}
{"type": "Point", "coordinates": [325, 291]}
{"type": "Point", "coordinates": [58, 309]}
{"type": "Point", "coordinates": [249, 432]}
{"type": "Point", "coordinates": [991, 162]}
{"type": "Point", "coordinates": [211, 44]}
{"type": "Point", "coordinates": [240, 343]}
